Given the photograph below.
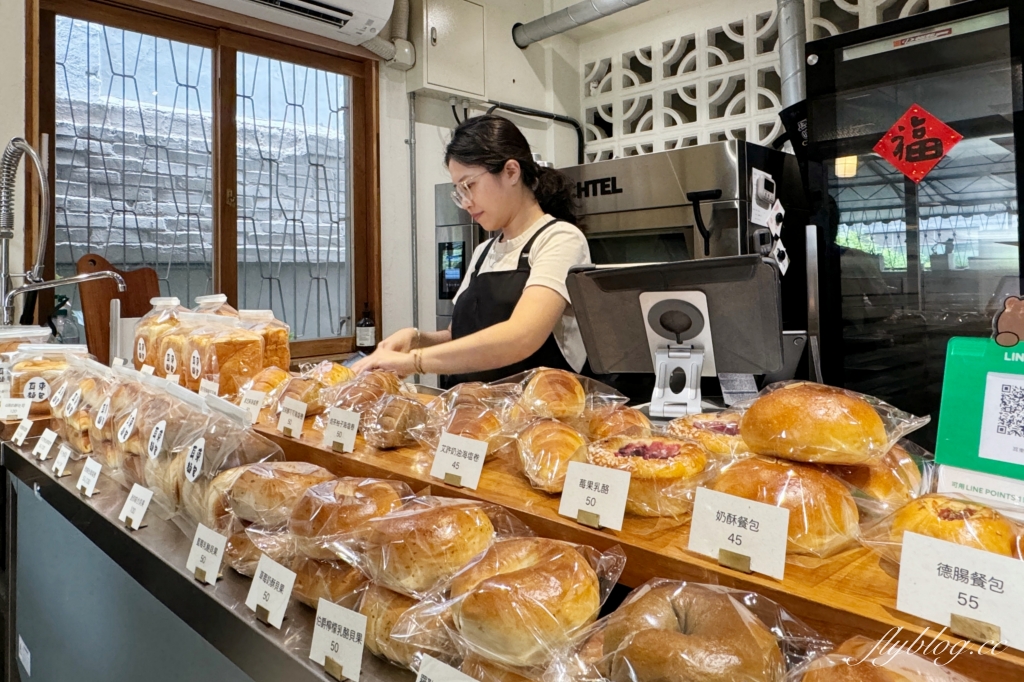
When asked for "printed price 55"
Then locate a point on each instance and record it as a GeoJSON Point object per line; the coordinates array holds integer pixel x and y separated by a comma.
{"type": "Point", "coordinates": [964, 599]}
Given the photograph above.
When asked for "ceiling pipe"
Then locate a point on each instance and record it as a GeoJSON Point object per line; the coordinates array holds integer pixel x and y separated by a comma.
{"type": "Point", "coordinates": [792, 43]}
{"type": "Point", "coordinates": [567, 19]}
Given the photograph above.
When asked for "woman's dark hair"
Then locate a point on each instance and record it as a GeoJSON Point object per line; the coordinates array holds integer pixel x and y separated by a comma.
{"type": "Point", "coordinates": [491, 141]}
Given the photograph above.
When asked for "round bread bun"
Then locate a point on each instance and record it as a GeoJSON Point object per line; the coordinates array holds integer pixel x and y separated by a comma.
{"type": "Point", "coordinates": [808, 422]}
{"type": "Point", "coordinates": [524, 598]}
{"type": "Point", "coordinates": [554, 393]}
{"type": "Point", "coordinates": [618, 420]}
{"type": "Point", "coordinates": [482, 670]}
{"type": "Point", "coordinates": [413, 550]}
{"type": "Point", "coordinates": [473, 421]}
{"type": "Point", "coordinates": [690, 632]}
{"type": "Point", "coordinates": [545, 448]}
{"type": "Point", "coordinates": [860, 659]}
{"type": "Point", "coordinates": [662, 471]}
{"type": "Point", "coordinates": [382, 608]}
{"type": "Point", "coordinates": [337, 508]}
{"type": "Point", "coordinates": [823, 515]}
{"type": "Point", "coordinates": [335, 581]}
{"type": "Point", "coordinates": [391, 420]}
{"type": "Point", "coordinates": [959, 521]}
{"type": "Point", "coordinates": [267, 492]}
{"type": "Point", "coordinates": [894, 481]}
{"type": "Point", "coordinates": [718, 432]}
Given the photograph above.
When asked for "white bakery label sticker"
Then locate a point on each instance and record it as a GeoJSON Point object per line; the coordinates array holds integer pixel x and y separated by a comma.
{"type": "Point", "coordinates": [252, 401]}
{"type": "Point", "coordinates": [342, 426]}
{"type": "Point", "coordinates": [140, 350]}
{"type": "Point", "coordinates": [741, 526]}
{"type": "Point", "coordinates": [293, 412]}
{"type": "Point", "coordinates": [148, 369]}
{"type": "Point", "coordinates": [14, 409]}
{"type": "Point", "coordinates": [194, 460]}
{"type": "Point", "coordinates": [433, 670]}
{"type": "Point", "coordinates": [127, 426]}
{"type": "Point", "coordinates": [36, 390]}
{"type": "Point", "coordinates": [173, 379]}
{"type": "Point", "coordinates": [338, 633]}
{"type": "Point", "coordinates": [22, 432]}
{"type": "Point", "coordinates": [207, 387]}
{"type": "Point", "coordinates": [170, 362]}
{"type": "Point", "coordinates": [58, 396]}
{"type": "Point", "coordinates": [271, 587]}
{"type": "Point", "coordinates": [118, 362]}
{"type": "Point", "coordinates": [939, 579]}
{"type": "Point", "coordinates": [135, 506]}
{"type": "Point", "coordinates": [156, 439]}
{"type": "Point", "coordinates": [89, 477]}
{"type": "Point", "coordinates": [73, 402]}
{"type": "Point", "coordinates": [195, 365]}
{"type": "Point", "coordinates": [595, 490]}
{"type": "Point", "coordinates": [45, 444]}
{"type": "Point", "coordinates": [61, 463]}
{"type": "Point", "coordinates": [102, 414]}
{"type": "Point", "coordinates": [206, 554]}
{"type": "Point", "coordinates": [461, 457]}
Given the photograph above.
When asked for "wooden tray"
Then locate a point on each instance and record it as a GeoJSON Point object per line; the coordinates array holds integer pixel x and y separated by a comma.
{"type": "Point", "coordinates": [846, 595]}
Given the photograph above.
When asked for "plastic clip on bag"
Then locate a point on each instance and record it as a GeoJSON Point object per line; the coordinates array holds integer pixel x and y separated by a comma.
{"type": "Point", "coordinates": [275, 333]}
{"type": "Point", "coordinates": [214, 304]}
{"type": "Point", "coordinates": [35, 370]}
{"type": "Point", "coordinates": [161, 319]}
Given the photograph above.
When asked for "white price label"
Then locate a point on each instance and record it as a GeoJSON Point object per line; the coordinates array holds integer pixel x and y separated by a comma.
{"type": "Point", "coordinates": [58, 396]}
{"type": "Point", "coordinates": [293, 412]}
{"type": "Point", "coordinates": [252, 401]}
{"type": "Point", "coordinates": [156, 439]}
{"type": "Point", "coordinates": [89, 477]}
{"type": "Point", "coordinates": [36, 389]}
{"type": "Point", "coordinates": [148, 369]}
{"type": "Point", "coordinates": [459, 456]}
{"type": "Point", "coordinates": [170, 361]}
{"type": "Point", "coordinates": [433, 670]}
{"type": "Point", "coordinates": [119, 362]}
{"type": "Point", "coordinates": [194, 460]}
{"type": "Point", "coordinates": [22, 432]}
{"type": "Point", "coordinates": [271, 587]}
{"type": "Point", "coordinates": [102, 414]}
{"type": "Point", "coordinates": [61, 463]}
{"type": "Point", "coordinates": [173, 379]}
{"type": "Point", "coordinates": [342, 426]}
{"type": "Point", "coordinates": [73, 402]}
{"type": "Point", "coordinates": [939, 579]}
{"type": "Point", "coordinates": [338, 633]}
{"type": "Point", "coordinates": [45, 444]}
{"type": "Point", "coordinates": [195, 365]}
{"type": "Point", "coordinates": [597, 490]}
{"type": "Point", "coordinates": [754, 529]}
{"type": "Point", "coordinates": [135, 506]}
{"type": "Point", "coordinates": [5, 390]}
{"type": "Point", "coordinates": [127, 426]}
{"type": "Point", "coordinates": [14, 409]}
{"type": "Point", "coordinates": [140, 350]}
{"type": "Point", "coordinates": [206, 553]}
{"type": "Point", "coordinates": [207, 387]}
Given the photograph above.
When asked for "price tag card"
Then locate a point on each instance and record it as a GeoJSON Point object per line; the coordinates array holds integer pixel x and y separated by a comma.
{"type": "Point", "coordinates": [119, 362]}
{"type": "Point", "coordinates": [135, 506]}
{"type": "Point", "coordinates": [194, 459]}
{"type": "Point", "coordinates": [293, 412]}
{"type": "Point", "coordinates": [45, 444]}
{"type": "Point", "coordinates": [252, 401]}
{"type": "Point", "coordinates": [942, 582]}
{"type": "Point", "coordinates": [342, 426]}
{"type": "Point", "coordinates": [207, 387]}
{"type": "Point", "coordinates": [595, 496]}
{"type": "Point", "coordinates": [338, 634]}
{"type": "Point", "coordinates": [148, 369]}
{"type": "Point", "coordinates": [5, 390]}
{"type": "Point", "coordinates": [205, 556]}
{"type": "Point", "coordinates": [271, 587]}
{"type": "Point", "coordinates": [14, 409]}
{"type": "Point", "coordinates": [61, 463]}
{"type": "Point", "coordinates": [22, 432]}
{"type": "Point", "coordinates": [89, 477]}
{"type": "Point", "coordinates": [58, 396]}
{"type": "Point", "coordinates": [173, 379]}
{"type": "Point", "coordinates": [433, 670]}
{"type": "Point", "coordinates": [459, 460]}
{"type": "Point", "coordinates": [740, 526]}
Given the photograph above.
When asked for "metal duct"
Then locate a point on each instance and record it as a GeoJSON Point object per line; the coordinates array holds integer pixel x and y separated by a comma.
{"type": "Point", "coordinates": [792, 41]}
{"type": "Point", "coordinates": [386, 48]}
{"type": "Point", "coordinates": [566, 19]}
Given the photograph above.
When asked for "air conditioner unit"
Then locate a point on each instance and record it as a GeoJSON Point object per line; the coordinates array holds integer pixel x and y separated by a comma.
{"type": "Point", "coordinates": [350, 21]}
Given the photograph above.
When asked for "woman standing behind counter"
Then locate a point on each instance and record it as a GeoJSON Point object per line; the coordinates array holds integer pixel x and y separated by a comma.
{"type": "Point", "coordinates": [512, 310]}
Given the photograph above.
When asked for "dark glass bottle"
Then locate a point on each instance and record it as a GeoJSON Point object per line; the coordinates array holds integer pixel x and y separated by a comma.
{"type": "Point", "coordinates": [366, 331]}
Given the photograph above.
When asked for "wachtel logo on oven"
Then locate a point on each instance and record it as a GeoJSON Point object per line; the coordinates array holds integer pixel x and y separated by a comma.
{"type": "Point", "coordinates": [923, 37]}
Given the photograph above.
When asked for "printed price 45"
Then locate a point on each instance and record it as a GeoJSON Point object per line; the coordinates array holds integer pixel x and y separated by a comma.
{"type": "Point", "coordinates": [736, 539]}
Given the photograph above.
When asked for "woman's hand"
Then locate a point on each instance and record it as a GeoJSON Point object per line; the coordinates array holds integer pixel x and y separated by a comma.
{"type": "Point", "coordinates": [400, 342]}
{"type": "Point", "coordinates": [400, 363]}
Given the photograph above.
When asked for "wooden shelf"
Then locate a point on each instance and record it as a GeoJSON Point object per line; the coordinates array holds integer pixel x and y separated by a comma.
{"type": "Point", "coordinates": [846, 595]}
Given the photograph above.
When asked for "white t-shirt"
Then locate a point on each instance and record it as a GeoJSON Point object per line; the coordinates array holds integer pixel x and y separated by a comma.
{"type": "Point", "coordinates": [559, 248]}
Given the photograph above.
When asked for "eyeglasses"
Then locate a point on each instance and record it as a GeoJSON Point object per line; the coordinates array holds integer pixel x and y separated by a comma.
{"type": "Point", "coordinates": [462, 192]}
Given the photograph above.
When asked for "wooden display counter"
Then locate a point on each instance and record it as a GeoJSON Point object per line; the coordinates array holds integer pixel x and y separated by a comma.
{"type": "Point", "coordinates": [846, 595]}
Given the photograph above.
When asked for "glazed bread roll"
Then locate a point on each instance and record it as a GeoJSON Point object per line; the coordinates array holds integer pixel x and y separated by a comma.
{"type": "Point", "coordinates": [390, 421]}
{"type": "Point", "coordinates": [823, 515]}
{"type": "Point", "coordinates": [663, 471]}
{"type": "Point", "coordinates": [860, 659]}
{"type": "Point", "coordinates": [415, 550]}
{"type": "Point", "coordinates": [814, 423]}
{"type": "Point", "coordinates": [335, 581]}
{"type": "Point", "coordinates": [331, 373]}
{"type": "Point", "coordinates": [554, 393]}
{"type": "Point", "coordinates": [382, 609]}
{"type": "Point", "coordinates": [269, 379]}
{"type": "Point", "coordinates": [618, 420]}
{"type": "Point", "coordinates": [958, 521]}
{"type": "Point", "coordinates": [524, 598]}
{"type": "Point", "coordinates": [894, 481]}
{"type": "Point", "coordinates": [546, 446]}
{"type": "Point", "coordinates": [690, 632]}
{"type": "Point", "coordinates": [718, 432]}
{"type": "Point", "coordinates": [333, 509]}
{"type": "Point", "coordinates": [267, 492]}
{"type": "Point", "coordinates": [473, 421]}
{"type": "Point", "coordinates": [246, 545]}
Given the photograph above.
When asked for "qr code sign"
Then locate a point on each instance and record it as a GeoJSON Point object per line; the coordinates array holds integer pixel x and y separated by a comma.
{"type": "Point", "coordinates": [1011, 411]}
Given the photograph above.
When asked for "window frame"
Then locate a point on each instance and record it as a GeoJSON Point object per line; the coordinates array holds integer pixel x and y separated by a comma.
{"type": "Point", "coordinates": [226, 37]}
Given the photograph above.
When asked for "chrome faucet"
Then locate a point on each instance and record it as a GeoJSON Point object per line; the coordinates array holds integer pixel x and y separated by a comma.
{"type": "Point", "coordinates": [16, 148]}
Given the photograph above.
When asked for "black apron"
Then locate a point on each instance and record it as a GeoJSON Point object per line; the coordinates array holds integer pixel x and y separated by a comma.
{"type": "Point", "coordinates": [489, 299]}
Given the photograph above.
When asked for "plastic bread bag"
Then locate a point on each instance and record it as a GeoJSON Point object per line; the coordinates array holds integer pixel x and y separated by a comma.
{"type": "Point", "coordinates": [560, 394]}
{"type": "Point", "coordinates": [248, 542]}
{"type": "Point", "coordinates": [271, 382]}
{"type": "Point", "coordinates": [469, 420]}
{"type": "Point", "coordinates": [35, 370]}
{"type": "Point", "coordinates": [18, 335]}
{"type": "Point", "coordinates": [674, 630]}
{"type": "Point", "coordinates": [162, 318]}
{"type": "Point", "coordinates": [718, 432]}
{"type": "Point", "coordinates": [390, 420]}
{"type": "Point", "coordinates": [383, 609]}
{"type": "Point", "coordinates": [357, 394]}
{"type": "Point", "coordinates": [543, 448]}
{"type": "Point", "coordinates": [905, 473]}
{"type": "Point", "coordinates": [121, 394]}
{"type": "Point", "coordinates": [128, 447]}
{"type": "Point", "coordinates": [276, 334]}
{"type": "Point", "coordinates": [606, 419]}
{"type": "Point", "coordinates": [485, 670]}
{"type": "Point", "coordinates": [809, 422]}
{"type": "Point", "coordinates": [948, 517]}
{"type": "Point", "coordinates": [519, 602]}
{"type": "Point", "coordinates": [312, 386]}
{"type": "Point", "coordinates": [860, 659]}
{"type": "Point", "coordinates": [500, 397]}
{"type": "Point", "coordinates": [172, 357]}
{"type": "Point", "coordinates": [214, 304]}
{"type": "Point", "coordinates": [221, 351]}
{"type": "Point", "coordinates": [823, 515]}
{"type": "Point", "coordinates": [88, 383]}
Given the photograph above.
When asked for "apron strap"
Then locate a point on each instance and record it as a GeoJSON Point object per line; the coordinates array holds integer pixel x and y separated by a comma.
{"type": "Point", "coordinates": [483, 255]}
{"type": "Point", "coordinates": [524, 255]}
